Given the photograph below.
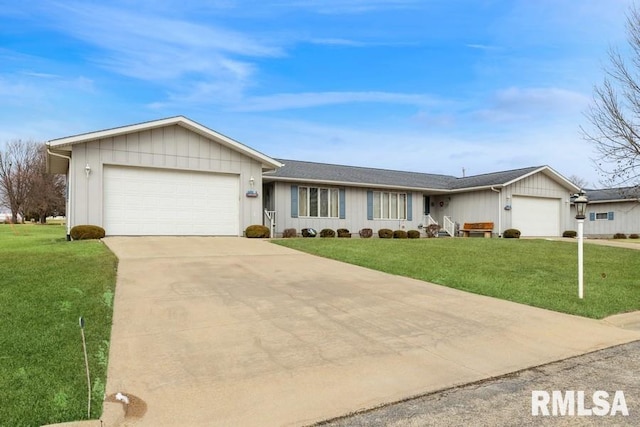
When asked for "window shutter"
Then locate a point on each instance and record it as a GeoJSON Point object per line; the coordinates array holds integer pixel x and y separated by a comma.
{"type": "Point", "coordinates": [341, 196]}
{"type": "Point", "coordinates": [592, 216]}
{"type": "Point", "coordinates": [610, 216]}
{"type": "Point", "coordinates": [294, 201]}
{"type": "Point", "coordinates": [409, 207]}
{"type": "Point", "coordinates": [370, 205]}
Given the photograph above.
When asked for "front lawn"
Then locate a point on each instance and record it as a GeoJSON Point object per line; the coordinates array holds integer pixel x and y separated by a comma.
{"type": "Point", "coordinates": [46, 284]}
{"type": "Point", "coordinates": [540, 273]}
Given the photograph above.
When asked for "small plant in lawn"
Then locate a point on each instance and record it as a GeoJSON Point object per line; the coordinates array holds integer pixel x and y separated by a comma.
{"type": "Point", "coordinates": [289, 232]}
{"type": "Point", "coordinates": [343, 232]}
{"type": "Point", "coordinates": [399, 234]}
{"type": "Point", "coordinates": [413, 234]}
{"type": "Point", "coordinates": [257, 231]}
{"type": "Point", "coordinates": [87, 232]}
{"type": "Point", "coordinates": [327, 232]}
{"type": "Point", "coordinates": [385, 233]}
{"type": "Point", "coordinates": [511, 233]}
{"type": "Point", "coordinates": [366, 233]}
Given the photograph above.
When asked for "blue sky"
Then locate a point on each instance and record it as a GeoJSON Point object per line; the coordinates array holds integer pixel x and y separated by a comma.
{"type": "Point", "coordinates": [422, 85]}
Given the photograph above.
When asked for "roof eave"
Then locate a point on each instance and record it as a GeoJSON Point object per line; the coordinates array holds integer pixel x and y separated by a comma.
{"type": "Point", "coordinates": [65, 144]}
{"type": "Point", "coordinates": [267, 178]}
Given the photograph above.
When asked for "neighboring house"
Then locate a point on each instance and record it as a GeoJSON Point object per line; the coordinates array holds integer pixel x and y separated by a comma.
{"type": "Point", "coordinates": [535, 200]}
{"type": "Point", "coordinates": [176, 177]}
{"type": "Point", "coordinates": [611, 211]}
{"type": "Point", "coordinates": [166, 177]}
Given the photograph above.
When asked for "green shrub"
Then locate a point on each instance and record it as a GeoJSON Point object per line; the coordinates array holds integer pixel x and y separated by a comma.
{"type": "Point", "coordinates": [619, 236]}
{"type": "Point", "coordinates": [327, 232]}
{"type": "Point", "coordinates": [87, 232]}
{"type": "Point", "coordinates": [289, 232]}
{"type": "Point", "coordinates": [413, 234]}
{"type": "Point", "coordinates": [343, 232]}
{"type": "Point", "coordinates": [257, 231]}
{"type": "Point", "coordinates": [309, 232]}
{"type": "Point", "coordinates": [365, 233]}
{"type": "Point", "coordinates": [399, 234]}
{"type": "Point", "coordinates": [511, 233]}
{"type": "Point", "coordinates": [569, 233]}
{"type": "Point", "coordinates": [634, 236]}
{"type": "Point", "coordinates": [385, 233]}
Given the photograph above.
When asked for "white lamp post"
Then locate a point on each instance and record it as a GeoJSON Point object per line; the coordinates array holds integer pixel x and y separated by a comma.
{"type": "Point", "coordinates": [581, 208]}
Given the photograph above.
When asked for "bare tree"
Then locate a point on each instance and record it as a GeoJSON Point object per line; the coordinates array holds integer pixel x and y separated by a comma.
{"type": "Point", "coordinates": [16, 162]}
{"type": "Point", "coordinates": [615, 113]}
{"type": "Point", "coordinates": [46, 191]}
{"type": "Point", "coordinates": [579, 182]}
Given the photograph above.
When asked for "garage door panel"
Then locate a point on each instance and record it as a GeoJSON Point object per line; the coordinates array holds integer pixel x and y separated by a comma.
{"type": "Point", "coordinates": [147, 201]}
{"type": "Point", "coordinates": [536, 216]}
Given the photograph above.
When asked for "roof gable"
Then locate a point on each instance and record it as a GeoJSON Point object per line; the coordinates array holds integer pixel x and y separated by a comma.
{"type": "Point", "coordinates": [64, 144]}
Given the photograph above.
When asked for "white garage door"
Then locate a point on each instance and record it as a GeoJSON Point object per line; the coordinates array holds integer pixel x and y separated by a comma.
{"type": "Point", "coordinates": [147, 201]}
{"type": "Point", "coordinates": [536, 216]}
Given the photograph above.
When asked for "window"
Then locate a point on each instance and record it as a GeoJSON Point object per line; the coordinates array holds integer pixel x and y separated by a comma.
{"type": "Point", "coordinates": [389, 205]}
{"type": "Point", "coordinates": [318, 202]}
{"type": "Point", "coordinates": [601, 216]}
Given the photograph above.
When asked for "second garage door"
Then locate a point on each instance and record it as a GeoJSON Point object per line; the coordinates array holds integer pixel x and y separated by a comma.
{"type": "Point", "coordinates": [536, 216]}
{"type": "Point", "coordinates": [148, 201]}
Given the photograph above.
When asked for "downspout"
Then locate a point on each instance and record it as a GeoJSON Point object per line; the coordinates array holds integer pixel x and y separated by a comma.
{"type": "Point", "coordinates": [499, 211]}
{"type": "Point", "coordinates": [69, 191]}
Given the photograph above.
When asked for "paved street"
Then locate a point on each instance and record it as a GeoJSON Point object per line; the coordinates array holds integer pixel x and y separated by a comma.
{"type": "Point", "coordinates": [506, 401]}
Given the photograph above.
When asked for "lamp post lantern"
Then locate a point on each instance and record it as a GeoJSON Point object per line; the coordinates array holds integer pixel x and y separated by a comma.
{"type": "Point", "coordinates": [581, 208]}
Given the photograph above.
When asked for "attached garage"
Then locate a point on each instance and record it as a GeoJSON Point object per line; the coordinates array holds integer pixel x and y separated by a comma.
{"type": "Point", "coordinates": [150, 201]}
{"type": "Point", "coordinates": [165, 177]}
{"type": "Point", "coordinates": [536, 216]}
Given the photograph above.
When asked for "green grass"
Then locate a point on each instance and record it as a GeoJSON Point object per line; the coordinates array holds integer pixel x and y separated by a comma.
{"type": "Point", "coordinates": [540, 273]}
{"type": "Point", "coordinates": [46, 284]}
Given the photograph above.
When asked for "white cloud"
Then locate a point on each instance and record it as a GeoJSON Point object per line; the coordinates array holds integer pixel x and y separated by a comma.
{"type": "Point", "coordinates": [521, 103]}
{"type": "Point", "coordinates": [288, 101]}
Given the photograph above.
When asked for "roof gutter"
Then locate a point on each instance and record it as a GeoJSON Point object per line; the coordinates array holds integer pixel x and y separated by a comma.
{"type": "Point", "coordinates": [499, 210]}
{"type": "Point", "coordinates": [67, 200]}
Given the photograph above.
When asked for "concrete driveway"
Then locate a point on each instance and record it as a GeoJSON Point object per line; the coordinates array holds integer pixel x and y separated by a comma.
{"type": "Point", "coordinates": [230, 331]}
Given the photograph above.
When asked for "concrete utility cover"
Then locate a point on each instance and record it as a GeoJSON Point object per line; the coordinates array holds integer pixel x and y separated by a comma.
{"type": "Point", "coordinates": [232, 331]}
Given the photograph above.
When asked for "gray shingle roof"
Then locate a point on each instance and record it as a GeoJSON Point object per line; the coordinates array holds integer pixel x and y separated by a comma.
{"type": "Point", "coordinates": [494, 178]}
{"type": "Point", "coordinates": [601, 195]}
{"type": "Point", "coordinates": [310, 171]}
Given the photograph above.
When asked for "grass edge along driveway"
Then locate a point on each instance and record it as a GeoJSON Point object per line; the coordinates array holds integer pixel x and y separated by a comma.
{"type": "Point", "coordinates": [46, 284]}
{"type": "Point", "coordinates": [536, 272]}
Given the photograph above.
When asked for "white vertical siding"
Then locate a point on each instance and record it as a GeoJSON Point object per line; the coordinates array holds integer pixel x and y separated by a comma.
{"type": "Point", "coordinates": [539, 185]}
{"type": "Point", "coordinates": [355, 211]}
{"type": "Point", "coordinates": [171, 147]}
{"type": "Point", "coordinates": [626, 219]}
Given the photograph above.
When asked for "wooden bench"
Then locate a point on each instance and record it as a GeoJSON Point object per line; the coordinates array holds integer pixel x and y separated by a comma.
{"type": "Point", "coordinates": [477, 227]}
